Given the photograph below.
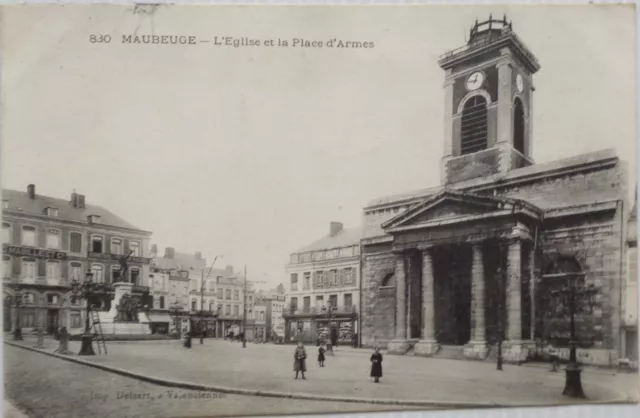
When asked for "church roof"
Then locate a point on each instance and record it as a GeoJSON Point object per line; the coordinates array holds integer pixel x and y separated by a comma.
{"type": "Point", "coordinates": [21, 202]}
{"type": "Point", "coordinates": [344, 238]}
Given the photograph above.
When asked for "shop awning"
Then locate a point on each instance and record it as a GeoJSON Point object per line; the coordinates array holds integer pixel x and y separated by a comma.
{"type": "Point", "coordinates": [159, 317]}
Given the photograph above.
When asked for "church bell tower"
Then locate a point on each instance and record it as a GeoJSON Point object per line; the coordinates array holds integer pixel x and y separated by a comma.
{"type": "Point", "coordinates": [488, 103]}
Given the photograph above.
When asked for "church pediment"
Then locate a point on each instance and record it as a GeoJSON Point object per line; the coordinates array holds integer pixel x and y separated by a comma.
{"type": "Point", "coordinates": [452, 206]}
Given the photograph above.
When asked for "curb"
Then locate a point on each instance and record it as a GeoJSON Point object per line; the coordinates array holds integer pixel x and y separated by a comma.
{"type": "Point", "coordinates": [301, 396]}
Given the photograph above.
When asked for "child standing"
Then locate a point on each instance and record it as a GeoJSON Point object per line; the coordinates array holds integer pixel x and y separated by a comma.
{"type": "Point", "coordinates": [321, 356]}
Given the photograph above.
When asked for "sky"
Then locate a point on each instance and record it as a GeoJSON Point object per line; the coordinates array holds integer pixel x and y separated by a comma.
{"type": "Point", "coordinates": [251, 152]}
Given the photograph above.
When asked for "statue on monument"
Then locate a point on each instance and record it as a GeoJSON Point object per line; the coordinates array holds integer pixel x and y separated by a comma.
{"type": "Point", "coordinates": [127, 309]}
{"type": "Point", "coordinates": [124, 267]}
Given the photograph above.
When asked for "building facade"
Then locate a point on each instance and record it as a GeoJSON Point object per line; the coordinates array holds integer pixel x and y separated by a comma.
{"type": "Point", "coordinates": [629, 332]}
{"type": "Point", "coordinates": [322, 275]}
{"type": "Point", "coordinates": [49, 242]}
{"type": "Point", "coordinates": [474, 260]}
{"type": "Point", "coordinates": [274, 303]}
{"type": "Point", "coordinates": [230, 289]}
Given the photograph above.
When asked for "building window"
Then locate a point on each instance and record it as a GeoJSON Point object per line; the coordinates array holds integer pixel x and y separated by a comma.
{"type": "Point", "coordinates": [474, 125]}
{"type": "Point", "coordinates": [53, 269]}
{"type": "Point", "coordinates": [52, 299]}
{"type": "Point", "coordinates": [348, 300]}
{"type": "Point", "coordinates": [306, 284]}
{"type": "Point", "coordinates": [227, 310]}
{"type": "Point", "coordinates": [210, 306]}
{"type": "Point", "coordinates": [96, 244]}
{"type": "Point", "coordinates": [236, 295]}
{"type": "Point", "coordinates": [294, 281]}
{"type": "Point", "coordinates": [227, 294]}
{"type": "Point", "coordinates": [135, 276]}
{"type": "Point", "coordinates": [135, 247]}
{"type": "Point", "coordinates": [262, 316]}
{"type": "Point", "coordinates": [115, 274]}
{"type": "Point", "coordinates": [333, 278]}
{"type": "Point", "coordinates": [220, 294]}
{"type": "Point", "coordinates": [319, 282]}
{"type": "Point", "coordinates": [116, 246]}
{"type": "Point", "coordinates": [98, 273]}
{"type": "Point", "coordinates": [161, 302]}
{"type": "Point", "coordinates": [5, 204]}
{"type": "Point", "coordinates": [236, 310]}
{"type": "Point", "coordinates": [28, 236]}
{"type": "Point", "coordinates": [294, 303]}
{"type": "Point", "coordinates": [28, 318]}
{"type": "Point", "coordinates": [51, 212]}
{"type": "Point", "coordinates": [75, 320]}
{"type": "Point", "coordinates": [349, 276]}
{"type": "Point", "coordinates": [75, 242]}
{"type": "Point", "coordinates": [75, 271]}
{"type": "Point", "coordinates": [306, 303]}
{"type": "Point", "coordinates": [6, 233]}
{"type": "Point", "coordinates": [53, 239]}
{"type": "Point", "coordinates": [6, 265]}
{"type": "Point", "coordinates": [518, 126]}
{"type": "Point", "coordinates": [94, 219]}
{"type": "Point", "coordinates": [194, 305]}
{"type": "Point", "coordinates": [28, 268]}
{"type": "Point", "coordinates": [333, 300]}
{"type": "Point", "coordinates": [28, 298]}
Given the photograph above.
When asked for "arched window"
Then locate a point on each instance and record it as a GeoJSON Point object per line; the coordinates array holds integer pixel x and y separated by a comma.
{"type": "Point", "coordinates": [474, 125]}
{"type": "Point", "coordinates": [28, 298]}
{"type": "Point", "coordinates": [518, 126]}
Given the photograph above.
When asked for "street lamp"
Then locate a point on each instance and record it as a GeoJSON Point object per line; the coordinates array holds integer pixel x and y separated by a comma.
{"type": "Point", "coordinates": [202, 286]}
{"type": "Point", "coordinates": [17, 302]}
{"type": "Point", "coordinates": [574, 299]}
{"type": "Point", "coordinates": [86, 290]}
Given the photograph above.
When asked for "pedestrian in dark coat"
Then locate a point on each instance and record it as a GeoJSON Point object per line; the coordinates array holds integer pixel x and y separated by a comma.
{"type": "Point", "coordinates": [321, 356]}
{"type": "Point", "coordinates": [187, 340]}
{"type": "Point", "coordinates": [299, 357]}
{"type": "Point", "coordinates": [376, 365]}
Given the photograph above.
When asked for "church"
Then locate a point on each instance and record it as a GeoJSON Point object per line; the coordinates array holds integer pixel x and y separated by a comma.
{"type": "Point", "coordinates": [483, 257]}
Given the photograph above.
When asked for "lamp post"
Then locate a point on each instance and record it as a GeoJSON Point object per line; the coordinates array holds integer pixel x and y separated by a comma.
{"type": "Point", "coordinates": [17, 302]}
{"type": "Point", "coordinates": [244, 310]}
{"type": "Point", "coordinates": [574, 299]}
{"type": "Point", "coordinates": [86, 290]}
{"type": "Point", "coordinates": [203, 281]}
{"type": "Point", "coordinates": [174, 313]}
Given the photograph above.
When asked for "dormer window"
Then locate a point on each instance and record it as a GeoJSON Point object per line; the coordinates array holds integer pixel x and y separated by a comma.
{"type": "Point", "coordinates": [51, 212]}
{"type": "Point", "coordinates": [94, 219]}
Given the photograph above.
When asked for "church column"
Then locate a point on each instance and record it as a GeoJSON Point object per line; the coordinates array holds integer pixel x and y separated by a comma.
{"type": "Point", "coordinates": [514, 293]}
{"type": "Point", "coordinates": [477, 295]}
{"type": "Point", "coordinates": [477, 347]}
{"type": "Point", "coordinates": [428, 345]}
{"type": "Point", "coordinates": [532, 291]}
{"type": "Point", "coordinates": [448, 127]}
{"type": "Point", "coordinates": [401, 297]}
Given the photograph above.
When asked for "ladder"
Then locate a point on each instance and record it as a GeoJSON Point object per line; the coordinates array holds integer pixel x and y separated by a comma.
{"type": "Point", "coordinates": [97, 332]}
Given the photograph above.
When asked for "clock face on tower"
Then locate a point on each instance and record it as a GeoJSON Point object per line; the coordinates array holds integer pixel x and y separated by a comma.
{"type": "Point", "coordinates": [519, 83]}
{"type": "Point", "coordinates": [475, 80]}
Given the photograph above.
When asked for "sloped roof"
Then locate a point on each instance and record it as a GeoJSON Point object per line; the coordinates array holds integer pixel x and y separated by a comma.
{"type": "Point", "coordinates": [20, 202]}
{"type": "Point", "coordinates": [181, 261]}
{"type": "Point", "coordinates": [344, 238]}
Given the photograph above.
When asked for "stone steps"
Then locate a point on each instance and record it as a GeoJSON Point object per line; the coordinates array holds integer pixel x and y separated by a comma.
{"type": "Point", "coordinates": [453, 352]}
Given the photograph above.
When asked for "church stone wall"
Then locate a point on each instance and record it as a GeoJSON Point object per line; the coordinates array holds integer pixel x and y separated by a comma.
{"type": "Point", "coordinates": [378, 303]}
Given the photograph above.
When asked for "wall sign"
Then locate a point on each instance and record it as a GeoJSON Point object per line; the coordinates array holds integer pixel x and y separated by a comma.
{"type": "Point", "coordinates": [116, 257]}
{"type": "Point", "coordinates": [33, 252]}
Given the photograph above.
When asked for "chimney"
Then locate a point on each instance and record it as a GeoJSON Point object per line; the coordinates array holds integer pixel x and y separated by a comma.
{"type": "Point", "coordinates": [74, 199]}
{"type": "Point", "coordinates": [31, 191]}
{"type": "Point", "coordinates": [334, 228]}
{"type": "Point", "coordinates": [198, 255]}
{"type": "Point", "coordinates": [80, 201]}
{"type": "Point", "coordinates": [169, 252]}
{"type": "Point", "coordinates": [154, 249]}
{"type": "Point", "coordinates": [228, 270]}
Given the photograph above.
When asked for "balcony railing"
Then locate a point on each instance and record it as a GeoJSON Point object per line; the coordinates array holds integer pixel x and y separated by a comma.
{"type": "Point", "coordinates": [318, 311]}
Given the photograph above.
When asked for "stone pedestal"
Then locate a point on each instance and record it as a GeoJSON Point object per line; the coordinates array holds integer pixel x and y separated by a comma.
{"type": "Point", "coordinates": [515, 351]}
{"type": "Point", "coordinates": [399, 346]}
{"type": "Point", "coordinates": [123, 328]}
{"type": "Point", "coordinates": [476, 350]}
{"type": "Point", "coordinates": [426, 348]}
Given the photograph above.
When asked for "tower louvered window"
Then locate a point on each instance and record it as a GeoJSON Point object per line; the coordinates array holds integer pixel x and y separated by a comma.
{"type": "Point", "coordinates": [474, 126]}
{"type": "Point", "coordinates": [518, 126]}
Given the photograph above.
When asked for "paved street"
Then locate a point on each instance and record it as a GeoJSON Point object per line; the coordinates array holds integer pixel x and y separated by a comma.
{"type": "Point", "coordinates": [44, 386]}
{"type": "Point", "coordinates": [269, 367]}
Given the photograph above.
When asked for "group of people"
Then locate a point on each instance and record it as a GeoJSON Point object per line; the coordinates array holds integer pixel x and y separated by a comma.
{"type": "Point", "coordinates": [300, 357]}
